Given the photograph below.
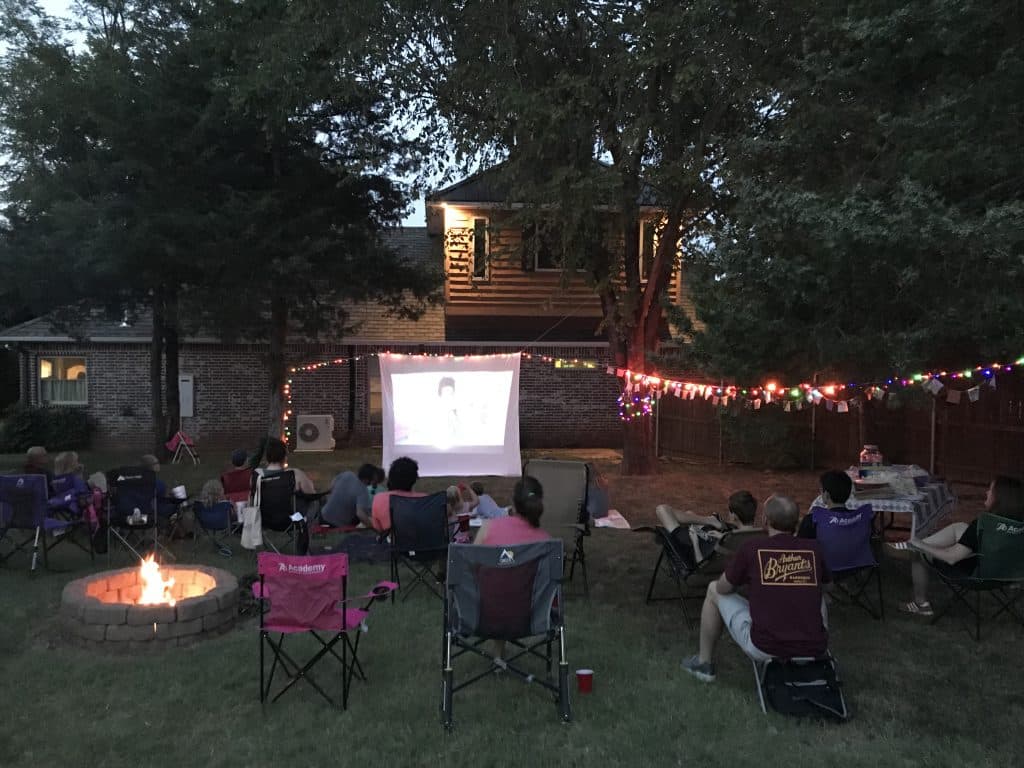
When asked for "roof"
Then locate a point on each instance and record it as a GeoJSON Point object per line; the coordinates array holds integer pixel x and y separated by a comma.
{"type": "Point", "coordinates": [410, 243]}
{"type": "Point", "coordinates": [493, 185]}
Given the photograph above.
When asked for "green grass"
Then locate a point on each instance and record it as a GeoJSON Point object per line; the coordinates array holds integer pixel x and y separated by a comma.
{"type": "Point", "coordinates": [920, 695]}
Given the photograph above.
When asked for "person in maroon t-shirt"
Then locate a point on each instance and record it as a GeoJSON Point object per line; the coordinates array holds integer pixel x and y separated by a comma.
{"type": "Point", "coordinates": [785, 614]}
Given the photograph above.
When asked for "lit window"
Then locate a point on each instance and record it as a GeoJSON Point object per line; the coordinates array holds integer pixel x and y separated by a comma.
{"type": "Point", "coordinates": [63, 381]}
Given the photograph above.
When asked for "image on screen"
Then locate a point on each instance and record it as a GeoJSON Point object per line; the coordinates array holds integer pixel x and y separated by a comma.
{"type": "Point", "coordinates": [450, 410]}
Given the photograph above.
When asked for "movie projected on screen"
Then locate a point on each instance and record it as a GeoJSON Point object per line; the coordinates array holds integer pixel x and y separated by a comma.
{"type": "Point", "coordinates": [454, 415]}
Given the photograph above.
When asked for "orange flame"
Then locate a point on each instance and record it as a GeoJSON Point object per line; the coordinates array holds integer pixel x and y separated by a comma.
{"type": "Point", "coordinates": [155, 588]}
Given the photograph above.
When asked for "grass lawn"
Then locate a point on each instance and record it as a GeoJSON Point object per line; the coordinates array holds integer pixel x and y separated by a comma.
{"type": "Point", "coordinates": [920, 695]}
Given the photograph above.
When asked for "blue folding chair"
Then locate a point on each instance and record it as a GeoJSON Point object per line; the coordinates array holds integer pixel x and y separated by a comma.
{"type": "Point", "coordinates": [25, 508]}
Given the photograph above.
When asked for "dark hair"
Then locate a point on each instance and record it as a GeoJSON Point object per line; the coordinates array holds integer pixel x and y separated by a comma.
{"type": "Point", "coordinates": [276, 451]}
{"type": "Point", "coordinates": [447, 381]}
{"type": "Point", "coordinates": [744, 506]}
{"type": "Point", "coordinates": [238, 457]}
{"type": "Point", "coordinates": [837, 485]}
{"type": "Point", "coordinates": [403, 474]}
{"type": "Point", "coordinates": [1008, 493]}
{"type": "Point", "coordinates": [478, 488]}
{"type": "Point", "coordinates": [379, 477]}
{"type": "Point", "coordinates": [528, 500]}
{"type": "Point", "coordinates": [367, 473]}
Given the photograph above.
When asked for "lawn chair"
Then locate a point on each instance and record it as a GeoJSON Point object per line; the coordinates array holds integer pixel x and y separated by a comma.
{"type": "Point", "coordinates": [565, 507]}
{"type": "Point", "coordinates": [420, 535]}
{"type": "Point", "coordinates": [999, 573]}
{"type": "Point", "coordinates": [181, 445]}
{"type": "Point", "coordinates": [802, 686]}
{"type": "Point", "coordinates": [24, 506]}
{"type": "Point", "coordinates": [310, 595]}
{"type": "Point", "coordinates": [511, 594]}
{"type": "Point", "coordinates": [132, 510]}
{"type": "Point", "coordinates": [689, 574]}
{"type": "Point", "coordinates": [846, 540]}
{"type": "Point", "coordinates": [274, 494]}
{"type": "Point", "coordinates": [237, 484]}
{"type": "Point", "coordinates": [71, 499]}
{"type": "Point", "coordinates": [214, 523]}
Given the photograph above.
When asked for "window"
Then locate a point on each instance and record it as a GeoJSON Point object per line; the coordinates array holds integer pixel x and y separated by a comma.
{"type": "Point", "coordinates": [481, 249]}
{"type": "Point", "coordinates": [647, 246]}
{"type": "Point", "coordinates": [375, 405]}
{"type": "Point", "coordinates": [63, 381]}
{"type": "Point", "coordinates": [540, 249]}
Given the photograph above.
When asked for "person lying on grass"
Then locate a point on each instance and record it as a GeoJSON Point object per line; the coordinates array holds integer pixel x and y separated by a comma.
{"type": "Point", "coordinates": [784, 614]}
{"type": "Point", "coordinates": [701, 534]}
{"type": "Point", "coordinates": [954, 549]}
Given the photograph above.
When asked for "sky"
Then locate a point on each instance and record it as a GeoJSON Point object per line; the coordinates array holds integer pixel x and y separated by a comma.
{"type": "Point", "coordinates": [416, 216]}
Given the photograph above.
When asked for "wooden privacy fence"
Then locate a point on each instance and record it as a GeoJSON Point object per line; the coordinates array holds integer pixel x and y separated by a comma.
{"type": "Point", "coordinates": [963, 441]}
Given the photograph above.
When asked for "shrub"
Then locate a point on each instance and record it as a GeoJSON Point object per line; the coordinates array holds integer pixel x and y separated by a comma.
{"type": "Point", "coordinates": [58, 429]}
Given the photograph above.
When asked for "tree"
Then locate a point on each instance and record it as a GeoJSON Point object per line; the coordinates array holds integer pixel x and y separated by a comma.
{"type": "Point", "coordinates": [597, 106]}
{"type": "Point", "coordinates": [879, 218]}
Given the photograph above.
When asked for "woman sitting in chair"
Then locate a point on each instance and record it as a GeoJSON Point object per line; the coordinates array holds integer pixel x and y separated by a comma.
{"type": "Point", "coordinates": [954, 548]}
{"type": "Point", "coordinates": [523, 525]}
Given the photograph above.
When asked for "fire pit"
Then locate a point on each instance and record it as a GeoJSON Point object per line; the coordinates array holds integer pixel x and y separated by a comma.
{"type": "Point", "coordinates": [150, 607]}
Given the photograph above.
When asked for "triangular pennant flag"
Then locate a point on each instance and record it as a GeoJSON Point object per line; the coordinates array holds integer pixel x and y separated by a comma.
{"type": "Point", "coordinates": [787, 406]}
{"type": "Point", "coordinates": [799, 405]}
{"type": "Point", "coordinates": [714, 401]}
{"type": "Point", "coordinates": [725, 400]}
{"type": "Point", "coordinates": [953, 396]}
{"type": "Point", "coordinates": [933, 385]}
{"type": "Point", "coordinates": [842, 406]}
{"type": "Point", "coordinates": [757, 405]}
{"type": "Point", "coordinates": [992, 382]}
{"type": "Point", "coordinates": [611, 370]}
{"type": "Point", "coordinates": [973, 394]}
{"type": "Point", "coordinates": [816, 396]}
{"type": "Point", "coordinates": [829, 405]}
{"type": "Point", "coordinates": [693, 394]}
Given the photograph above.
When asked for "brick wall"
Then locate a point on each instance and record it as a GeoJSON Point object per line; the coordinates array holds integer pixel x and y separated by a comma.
{"type": "Point", "coordinates": [572, 407]}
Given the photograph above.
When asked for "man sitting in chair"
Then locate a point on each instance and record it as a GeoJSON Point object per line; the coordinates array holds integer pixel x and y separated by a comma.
{"type": "Point", "coordinates": [784, 615]}
{"type": "Point", "coordinates": [836, 488]}
{"type": "Point", "coordinates": [704, 532]}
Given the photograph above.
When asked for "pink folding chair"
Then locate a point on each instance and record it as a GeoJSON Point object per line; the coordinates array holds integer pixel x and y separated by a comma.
{"type": "Point", "coordinates": [309, 595]}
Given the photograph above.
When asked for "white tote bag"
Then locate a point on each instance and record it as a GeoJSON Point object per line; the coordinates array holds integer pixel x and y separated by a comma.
{"type": "Point", "coordinates": [252, 528]}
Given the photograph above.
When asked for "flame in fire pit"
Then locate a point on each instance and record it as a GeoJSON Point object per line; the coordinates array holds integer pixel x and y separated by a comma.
{"type": "Point", "coordinates": [155, 588]}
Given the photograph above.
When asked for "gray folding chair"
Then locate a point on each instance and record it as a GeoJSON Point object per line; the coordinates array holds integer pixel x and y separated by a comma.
{"type": "Point", "coordinates": [565, 507]}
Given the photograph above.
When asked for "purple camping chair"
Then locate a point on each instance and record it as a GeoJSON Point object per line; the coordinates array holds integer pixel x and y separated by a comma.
{"type": "Point", "coordinates": [309, 595]}
{"type": "Point", "coordinates": [846, 540]}
{"type": "Point", "coordinates": [25, 507]}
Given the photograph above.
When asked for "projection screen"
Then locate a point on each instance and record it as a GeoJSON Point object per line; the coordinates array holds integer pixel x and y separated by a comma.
{"type": "Point", "coordinates": [454, 415]}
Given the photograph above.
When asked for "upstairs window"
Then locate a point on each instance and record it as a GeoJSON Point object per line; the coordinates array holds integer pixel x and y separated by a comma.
{"type": "Point", "coordinates": [63, 381]}
{"type": "Point", "coordinates": [541, 249]}
{"type": "Point", "coordinates": [481, 250]}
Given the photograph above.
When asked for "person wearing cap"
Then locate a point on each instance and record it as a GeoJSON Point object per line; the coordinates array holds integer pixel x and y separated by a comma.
{"type": "Point", "coordinates": [165, 505]}
{"type": "Point", "coordinates": [37, 462]}
{"type": "Point", "coordinates": [239, 457]}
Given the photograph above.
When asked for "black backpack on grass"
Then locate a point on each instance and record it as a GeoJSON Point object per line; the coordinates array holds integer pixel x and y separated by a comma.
{"type": "Point", "coordinates": [805, 688]}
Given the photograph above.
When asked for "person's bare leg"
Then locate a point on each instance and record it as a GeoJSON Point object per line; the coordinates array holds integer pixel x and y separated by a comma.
{"type": "Point", "coordinates": [667, 517]}
{"type": "Point", "coordinates": [919, 575]}
{"type": "Point", "coordinates": [947, 537]}
{"type": "Point", "coordinates": [710, 624]}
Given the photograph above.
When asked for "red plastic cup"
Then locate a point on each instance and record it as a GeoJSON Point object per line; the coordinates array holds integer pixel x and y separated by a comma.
{"type": "Point", "coordinates": [585, 680]}
{"type": "Point", "coordinates": [464, 522]}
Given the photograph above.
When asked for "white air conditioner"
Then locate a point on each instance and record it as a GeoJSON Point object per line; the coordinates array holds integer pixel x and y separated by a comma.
{"type": "Point", "coordinates": [314, 433]}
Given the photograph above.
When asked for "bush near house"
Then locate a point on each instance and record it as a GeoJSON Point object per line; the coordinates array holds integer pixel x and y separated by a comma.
{"type": "Point", "coordinates": [55, 428]}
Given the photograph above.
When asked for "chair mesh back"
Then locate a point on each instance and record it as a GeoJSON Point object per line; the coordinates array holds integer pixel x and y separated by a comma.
{"type": "Point", "coordinates": [23, 501]}
{"type": "Point", "coordinates": [845, 536]}
{"type": "Point", "coordinates": [1000, 548]}
{"type": "Point", "coordinates": [419, 524]}
{"type": "Point", "coordinates": [276, 490]}
{"type": "Point", "coordinates": [215, 518]}
{"type": "Point", "coordinates": [131, 488]}
{"type": "Point", "coordinates": [304, 591]}
{"type": "Point", "coordinates": [237, 484]}
{"type": "Point", "coordinates": [565, 495]}
{"type": "Point", "coordinates": [503, 592]}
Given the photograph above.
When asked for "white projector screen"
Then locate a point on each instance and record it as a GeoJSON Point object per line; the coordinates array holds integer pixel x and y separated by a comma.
{"type": "Point", "coordinates": [453, 415]}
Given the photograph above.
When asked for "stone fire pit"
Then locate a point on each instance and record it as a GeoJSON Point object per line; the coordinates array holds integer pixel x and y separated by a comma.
{"type": "Point", "coordinates": [101, 610]}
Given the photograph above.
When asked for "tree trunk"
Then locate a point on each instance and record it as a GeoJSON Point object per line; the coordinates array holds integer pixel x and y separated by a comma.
{"type": "Point", "coordinates": [156, 367]}
{"type": "Point", "coordinates": [276, 366]}
{"type": "Point", "coordinates": [173, 364]}
{"type": "Point", "coordinates": [639, 453]}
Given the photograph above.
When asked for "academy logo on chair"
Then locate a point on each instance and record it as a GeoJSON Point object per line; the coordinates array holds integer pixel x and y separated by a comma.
{"type": "Point", "coordinates": [21, 482]}
{"type": "Point", "coordinates": [507, 557]}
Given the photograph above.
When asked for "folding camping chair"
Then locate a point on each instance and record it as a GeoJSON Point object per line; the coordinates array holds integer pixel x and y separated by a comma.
{"type": "Point", "coordinates": [565, 507]}
{"type": "Point", "coordinates": [512, 594]}
{"type": "Point", "coordinates": [420, 535]}
{"type": "Point", "coordinates": [999, 573]}
{"type": "Point", "coordinates": [847, 542]}
{"type": "Point", "coordinates": [132, 510]}
{"type": "Point", "coordinates": [181, 445]}
{"type": "Point", "coordinates": [274, 493]}
{"type": "Point", "coordinates": [237, 484]}
{"type": "Point", "coordinates": [801, 686]}
{"type": "Point", "coordinates": [689, 574]}
{"type": "Point", "coordinates": [310, 595]}
{"type": "Point", "coordinates": [24, 507]}
{"type": "Point", "coordinates": [215, 523]}
{"type": "Point", "coordinates": [71, 499]}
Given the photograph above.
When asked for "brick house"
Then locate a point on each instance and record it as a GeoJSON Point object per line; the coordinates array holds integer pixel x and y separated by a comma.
{"type": "Point", "coordinates": [495, 302]}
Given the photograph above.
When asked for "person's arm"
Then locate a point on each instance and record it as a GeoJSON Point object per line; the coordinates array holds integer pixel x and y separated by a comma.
{"type": "Point", "coordinates": [950, 555]}
{"type": "Point", "coordinates": [481, 535]}
{"type": "Point", "coordinates": [469, 496]}
{"type": "Point", "coordinates": [807, 530]}
{"type": "Point", "coordinates": [303, 482]}
{"type": "Point", "coordinates": [724, 586]}
{"type": "Point", "coordinates": [364, 509]}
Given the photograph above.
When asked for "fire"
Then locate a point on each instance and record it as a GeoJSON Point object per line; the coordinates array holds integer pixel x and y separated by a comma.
{"type": "Point", "coordinates": [155, 588]}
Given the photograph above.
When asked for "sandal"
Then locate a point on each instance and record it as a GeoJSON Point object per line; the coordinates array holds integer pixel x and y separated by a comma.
{"type": "Point", "coordinates": [916, 609]}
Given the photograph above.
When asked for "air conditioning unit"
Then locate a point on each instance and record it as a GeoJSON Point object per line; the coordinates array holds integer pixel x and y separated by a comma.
{"type": "Point", "coordinates": [314, 433]}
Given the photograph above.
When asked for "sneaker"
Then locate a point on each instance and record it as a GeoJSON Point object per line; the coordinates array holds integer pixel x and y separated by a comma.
{"type": "Point", "coordinates": [702, 670]}
{"type": "Point", "coordinates": [916, 609]}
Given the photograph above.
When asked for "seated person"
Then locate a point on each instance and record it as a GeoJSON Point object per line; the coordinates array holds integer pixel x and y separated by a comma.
{"type": "Point", "coordinates": [37, 462]}
{"type": "Point", "coordinates": [522, 525]}
{"type": "Point", "coordinates": [349, 501]}
{"type": "Point", "coordinates": [784, 612]}
{"type": "Point", "coordinates": [462, 500]}
{"type": "Point", "coordinates": [704, 532]}
{"type": "Point", "coordinates": [276, 454]}
{"type": "Point", "coordinates": [486, 506]}
{"type": "Point", "coordinates": [379, 483]}
{"type": "Point", "coordinates": [166, 506]}
{"type": "Point", "coordinates": [836, 488]}
{"type": "Point", "coordinates": [402, 476]}
{"type": "Point", "coordinates": [598, 502]}
{"type": "Point", "coordinates": [68, 489]}
{"type": "Point", "coordinates": [954, 548]}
